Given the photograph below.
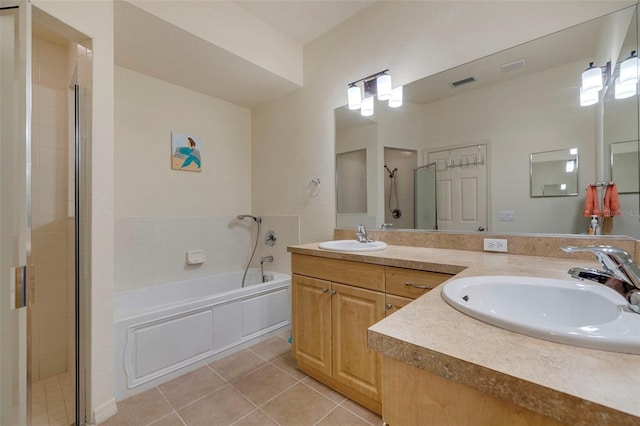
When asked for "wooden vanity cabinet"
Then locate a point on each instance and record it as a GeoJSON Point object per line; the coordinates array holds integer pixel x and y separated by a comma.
{"type": "Point", "coordinates": [334, 302]}
{"type": "Point", "coordinates": [331, 315]}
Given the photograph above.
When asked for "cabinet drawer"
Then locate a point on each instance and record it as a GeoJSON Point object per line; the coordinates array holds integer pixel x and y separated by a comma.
{"type": "Point", "coordinates": [341, 271]}
{"type": "Point", "coordinates": [393, 303]}
{"type": "Point", "coordinates": [412, 283]}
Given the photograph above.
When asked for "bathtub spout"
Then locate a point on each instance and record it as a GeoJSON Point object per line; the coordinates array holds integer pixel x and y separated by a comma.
{"type": "Point", "coordinates": [262, 260]}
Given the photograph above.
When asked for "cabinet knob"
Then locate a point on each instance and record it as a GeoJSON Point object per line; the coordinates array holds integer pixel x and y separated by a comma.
{"type": "Point", "coordinates": [333, 292]}
{"type": "Point", "coordinates": [421, 287]}
{"type": "Point", "coordinates": [324, 290]}
{"type": "Point", "coordinates": [389, 306]}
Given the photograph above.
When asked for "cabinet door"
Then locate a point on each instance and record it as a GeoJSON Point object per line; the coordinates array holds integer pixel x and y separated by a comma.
{"type": "Point", "coordinates": [354, 363]}
{"type": "Point", "coordinates": [312, 323]}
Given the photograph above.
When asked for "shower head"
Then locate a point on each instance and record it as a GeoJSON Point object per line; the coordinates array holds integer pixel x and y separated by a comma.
{"type": "Point", "coordinates": [258, 219]}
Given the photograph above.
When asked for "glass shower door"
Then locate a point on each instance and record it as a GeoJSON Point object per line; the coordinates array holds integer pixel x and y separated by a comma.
{"type": "Point", "coordinates": [15, 223]}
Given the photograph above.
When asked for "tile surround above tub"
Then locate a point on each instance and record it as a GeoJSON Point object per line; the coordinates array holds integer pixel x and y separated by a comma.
{"type": "Point", "coordinates": [151, 251]}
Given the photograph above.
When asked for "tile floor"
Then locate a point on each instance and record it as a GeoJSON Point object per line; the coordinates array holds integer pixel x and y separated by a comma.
{"type": "Point", "coordinates": [53, 401]}
{"type": "Point", "coordinates": [255, 386]}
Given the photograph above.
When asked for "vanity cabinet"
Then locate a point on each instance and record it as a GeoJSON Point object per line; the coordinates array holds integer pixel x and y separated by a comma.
{"type": "Point", "coordinates": [334, 302]}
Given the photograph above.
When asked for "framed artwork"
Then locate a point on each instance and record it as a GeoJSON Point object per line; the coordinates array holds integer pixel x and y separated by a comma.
{"type": "Point", "coordinates": [186, 152]}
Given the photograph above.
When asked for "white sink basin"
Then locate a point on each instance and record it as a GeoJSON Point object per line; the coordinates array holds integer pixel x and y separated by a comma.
{"type": "Point", "coordinates": [352, 245]}
{"type": "Point", "coordinates": [571, 312]}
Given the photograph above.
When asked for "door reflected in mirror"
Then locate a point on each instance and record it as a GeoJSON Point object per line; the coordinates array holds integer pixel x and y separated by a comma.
{"type": "Point", "coordinates": [554, 173]}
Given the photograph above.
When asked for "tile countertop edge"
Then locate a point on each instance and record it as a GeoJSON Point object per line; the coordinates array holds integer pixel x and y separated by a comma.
{"type": "Point", "coordinates": [567, 392]}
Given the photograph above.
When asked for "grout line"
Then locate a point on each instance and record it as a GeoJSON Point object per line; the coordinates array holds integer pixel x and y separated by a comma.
{"type": "Point", "coordinates": [356, 414]}
{"type": "Point", "coordinates": [327, 415]}
{"type": "Point", "coordinates": [170, 406]}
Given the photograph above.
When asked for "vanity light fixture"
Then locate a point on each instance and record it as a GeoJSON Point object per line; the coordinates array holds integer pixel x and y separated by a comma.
{"type": "Point", "coordinates": [629, 69]}
{"type": "Point", "coordinates": [592, 78]}
{"type": "Point", "coordinates": [593, 81]}
{"type": "Point", "coordinates": [354, 96]}
{"type": "Point", "coordinates": [367, 106]}
{"type": "Point", "coordinates": [624, 90]}
{"type": "Point", "coordinates": [361, 93]}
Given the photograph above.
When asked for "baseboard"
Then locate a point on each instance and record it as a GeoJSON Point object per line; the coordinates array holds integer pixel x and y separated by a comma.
{"type": "Point", "coordinates": [104, 411]}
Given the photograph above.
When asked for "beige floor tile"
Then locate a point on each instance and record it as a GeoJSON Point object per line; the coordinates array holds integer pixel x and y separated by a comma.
{"type": "Point", "coordinates": [264, 384]}
{"type": "Point", "coordinates": [256, 418]}
{"type": "Point", "coordinates": [324, 389]}
{"type": "Point", "coordinates": [222, 407]}
{"type": "Point", "coordinates": [362, 412]}
{"type": "Point", "coordinates": [288, 364]}
{"type": "Point", "coordinates": [340, 416]}
{"type": "Point", "coordinates": [191, 386]}
{"type": "Point", "coordinates": [299, 405]}
{"type": "Point", "coordinates": [170, 420]}
{"type": "Point", "coordinates": [272, 348]}
{"type": "Point", "coordinates": [237, 365]}
{"type": "Point", "coordinates": [40, 420]}
{"type": "Point", "coordinates": [141, 409]}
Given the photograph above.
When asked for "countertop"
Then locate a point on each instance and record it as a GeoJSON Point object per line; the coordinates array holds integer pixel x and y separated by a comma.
{"type": "Point", "coordinates": [571, 384]}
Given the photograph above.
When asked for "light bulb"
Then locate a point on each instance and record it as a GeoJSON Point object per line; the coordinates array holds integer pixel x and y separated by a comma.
{"type": "Point", "coordinates": [367, 106]}
{"type": "Point", "coordinates": [624, 90]}
{"type": "Point", "coordinates": [629, 70]}
{"type": "Point", "coordinates": [396, 97]}
{"type": "Point", "coordinates": [383, 83]}
{"type": "Point", "coordinates": [592, 79]}
{"type": "Point", "coordinates": [354, 97]}
{"type": "Point", "coordinates": [589, 97]}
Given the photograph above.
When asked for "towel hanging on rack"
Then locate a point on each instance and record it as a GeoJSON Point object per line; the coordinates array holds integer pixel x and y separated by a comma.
{"type": "Point", "coordinates": [611, 204]}
{"type": "Point", "coordinates": [591, 204]}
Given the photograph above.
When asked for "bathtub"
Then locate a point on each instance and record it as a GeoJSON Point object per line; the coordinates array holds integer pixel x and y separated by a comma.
{"type": "Point", "coordinates": [166, 330]}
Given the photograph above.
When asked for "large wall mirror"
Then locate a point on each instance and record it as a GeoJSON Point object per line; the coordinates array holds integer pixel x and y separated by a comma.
{"type": "Point", "coordinates": [513, 104]}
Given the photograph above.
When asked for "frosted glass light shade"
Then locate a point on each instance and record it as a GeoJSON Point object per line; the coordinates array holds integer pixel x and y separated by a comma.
{"type": "Point", "coordinates": [629, 71]}
{"type": "Point", "coordinates": [589, 97]}
{"type": "Point", "coordinates": [396, 97]}
{"type": "Point", "coordinates": [624, 90]}
{"type": "Point", "coordinates": [384, 87]}
{"type": "Point", "coordinates": [354, 97]}
{"type": "Point", "coordinates": [367, 106]}
{"type": "Point", "coordinates": [592, 79]}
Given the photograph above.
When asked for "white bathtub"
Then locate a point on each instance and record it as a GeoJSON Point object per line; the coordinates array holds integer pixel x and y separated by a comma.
{"type": "Point", "coordinates": [165, 330]}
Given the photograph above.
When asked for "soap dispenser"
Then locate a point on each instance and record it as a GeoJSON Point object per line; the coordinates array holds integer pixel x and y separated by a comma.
{"type": "Point", "coordinates": [593, 229]}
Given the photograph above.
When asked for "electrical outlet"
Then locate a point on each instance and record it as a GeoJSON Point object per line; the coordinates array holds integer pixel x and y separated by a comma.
{"type": "Point", "coordinates": [495, 244]}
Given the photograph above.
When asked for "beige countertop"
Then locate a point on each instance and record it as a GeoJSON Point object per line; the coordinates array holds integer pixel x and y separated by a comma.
{"type": "Point", "coordinates": [571, 384]}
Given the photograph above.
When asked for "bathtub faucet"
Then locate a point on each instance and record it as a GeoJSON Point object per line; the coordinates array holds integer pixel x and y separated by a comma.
{"type": "Point", "coordinates": [262, 260]}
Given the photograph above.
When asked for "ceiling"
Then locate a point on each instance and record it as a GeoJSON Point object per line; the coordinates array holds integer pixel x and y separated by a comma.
{"type": "Point", "coordinates": [303, 20]}
{"type": "Point", "coordinates": [149, 45]}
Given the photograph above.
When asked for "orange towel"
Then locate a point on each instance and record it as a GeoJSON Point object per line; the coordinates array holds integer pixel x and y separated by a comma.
{"type": "Point", "coordinates": [591, 205]}
{"type": "Point", "coordinates": [611, 205]}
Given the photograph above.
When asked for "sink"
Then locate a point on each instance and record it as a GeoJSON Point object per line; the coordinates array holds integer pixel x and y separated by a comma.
{"type": "Point", "coordinates": [352, 245]}
{"type": "Point", "coordinates": [564, 311]}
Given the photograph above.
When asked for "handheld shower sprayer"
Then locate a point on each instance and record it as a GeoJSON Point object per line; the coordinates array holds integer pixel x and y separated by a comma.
{"type": "Point", "coordinates": [258, 219]}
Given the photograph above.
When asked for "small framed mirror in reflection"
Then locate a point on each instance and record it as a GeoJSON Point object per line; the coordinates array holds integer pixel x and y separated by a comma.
{"type": "Point", "coordinates": [554, 173]}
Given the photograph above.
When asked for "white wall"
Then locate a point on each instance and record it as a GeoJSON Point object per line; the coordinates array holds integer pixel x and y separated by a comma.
{"type": "Point", "coordinates": [301, 125]}
{"type": "Point", "coordinates": [147, 110]}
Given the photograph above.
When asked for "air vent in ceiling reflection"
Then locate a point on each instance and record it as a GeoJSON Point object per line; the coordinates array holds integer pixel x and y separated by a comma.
{"type": "Point", "coordinates": [463, 81]}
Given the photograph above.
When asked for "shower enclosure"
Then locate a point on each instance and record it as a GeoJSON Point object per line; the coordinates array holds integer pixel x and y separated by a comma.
{"type": "Point", "coordinates": [45, 130]}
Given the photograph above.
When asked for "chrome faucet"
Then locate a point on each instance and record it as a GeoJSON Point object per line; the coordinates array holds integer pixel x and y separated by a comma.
{"type": "Point", "coordinates": [386, 226]}
{"type": "Point", "coordinates": [620, 272]}
{"type": "Point", "coordinates": [362, 235]}
{"type": "Point", "coordinates": [263, 259]}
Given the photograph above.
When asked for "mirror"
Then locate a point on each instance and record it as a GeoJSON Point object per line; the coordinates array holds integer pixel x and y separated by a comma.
{"type": "Point", "coordinates": [624, 166]}
{"type": "Point", "coordinates": [554, 173]}
{"type": "Point", "coordinates": [533, 93]}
